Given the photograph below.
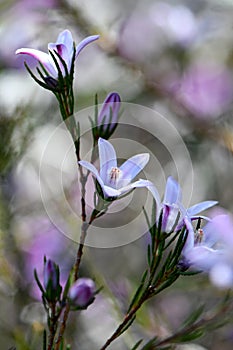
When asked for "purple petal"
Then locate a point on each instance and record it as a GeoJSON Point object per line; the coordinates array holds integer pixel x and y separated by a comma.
{"type": "Point", "coordinates": [107, 157]}
{"type": "Point", "coordinates": [189, 244]}
{"type": "Point", "coordinates": [133, 166]}
{"type": "Point", "coordinates": [172, 192]}
{"type": "Point", "coordinates": [85, 42]}
{"type": "Point", "coordinates": [220, 228]}
{"type": "Point", "coordinates": [42, 57]}
{"type": "Point", "coordinates": [111, 105]}
{"type": "Point", "coordinates": [197, 208]}
{"type": "Point", "coordinates": [66, 39]}
{"type": "Point", "coordinates": [204, 258]}
{"type": "Point", "coordinates": [224, 226]}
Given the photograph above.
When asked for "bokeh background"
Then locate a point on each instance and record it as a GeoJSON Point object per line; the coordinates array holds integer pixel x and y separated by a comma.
{"type": "Point", "coordinates": [175, 57]}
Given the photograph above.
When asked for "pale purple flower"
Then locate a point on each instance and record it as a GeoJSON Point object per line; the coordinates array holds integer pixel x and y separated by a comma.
{"type": "Point", "coordinates": [210, 247]}
{"type": "Point", "coordinates": [64, 46]}
{"type": "Point", "coordinates": [109, 113]}
{"type": "Point", "coordinates": [82, 292]}
{"type": "Point", "coordinates": [114, 180]}
{"type": "Point", "coordinates": [172, 206]}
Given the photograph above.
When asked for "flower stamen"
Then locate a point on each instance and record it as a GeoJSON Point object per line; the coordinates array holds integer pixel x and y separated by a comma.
{"type": "Point", "coordinates": [114, 175]}
{"type": "Point", "coordinates": [199, 236]}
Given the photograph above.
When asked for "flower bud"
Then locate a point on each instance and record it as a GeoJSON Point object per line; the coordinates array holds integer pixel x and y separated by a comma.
{"type": "Point", "coordinates": [81, 293]}
{"type": "Point", "coordinates": [51, 280]}
{"type": "Point", "coordinates": [109, 113]}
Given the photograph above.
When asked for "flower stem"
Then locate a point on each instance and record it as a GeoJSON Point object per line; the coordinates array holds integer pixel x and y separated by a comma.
{"type": "Point", "coordinates": [62, 327]}
{"type": "Point", "coordinates": [52, 326]}
{"type": "Point", "coordinates": [120, 329]}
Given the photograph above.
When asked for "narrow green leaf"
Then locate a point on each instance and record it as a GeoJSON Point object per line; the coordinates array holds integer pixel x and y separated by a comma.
{"type": "Point", "coordinates": [150, 344]}
{"type": "Point", "coordinates": [189, 273]}
{"type": "Point", "coordinates": [149, 254]}
{"type": "Point", "coordinates": [60, 76]}
{"type": "Point", "coordinates": [138, 291]}
{"type": "Point", "coordinates": [146, 217]}
{"type": "Point", "coordinates": [137, 344]}
{"type": "Point", "coordinates": [190, 336]}
{"type": "Point", "coordinates": [193, 317]}
{"type": "Point", "coordinates": [41, 83]}
{"type": "Point", "coordinates": [44, 340]}
{"type": "Point", "coordinates": [38, 282]}
{"type": "Point", "coordinates": [127, 325]}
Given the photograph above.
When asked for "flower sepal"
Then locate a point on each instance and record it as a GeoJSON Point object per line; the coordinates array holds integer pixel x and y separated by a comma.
{"type": "Point", "coordinates": [52, 287]}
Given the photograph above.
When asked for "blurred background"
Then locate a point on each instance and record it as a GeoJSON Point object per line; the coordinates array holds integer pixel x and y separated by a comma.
{"type": "Point", "coordinates": [175, 57]}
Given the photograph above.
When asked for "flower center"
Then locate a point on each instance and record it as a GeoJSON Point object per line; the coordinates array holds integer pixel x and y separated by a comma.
{"type": "Point", "coordinates": [114, 176]}
{"type": "Point", "coordinates": [199, 236]}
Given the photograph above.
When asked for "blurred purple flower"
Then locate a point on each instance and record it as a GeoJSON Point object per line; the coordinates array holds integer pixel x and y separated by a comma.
{"type": "Point", "coordinates": [205, 90]}
{"type": "Point", "coordinates": [115, 181]}
{"type": "Point", "coordinates": [109, 113]}
{"type": "Point", "coordinates": [161, 25]}
{"type": "Point", "coordinates": [64, 46]}
{"type": "Point", "coordinates": [37, 4]}
{"type": "Point", "coordinates": [46, 240]}
{"type": "Point", "coordinates": [82, 292]}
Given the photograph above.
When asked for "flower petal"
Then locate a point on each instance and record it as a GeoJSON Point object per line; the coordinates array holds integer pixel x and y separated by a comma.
{"type": "Point", "coordinates": [110, 192]}
{"type": "Point", "coordinates": [199, 207]}
{"type": "Point", "coordinates": [66, 39]}
{"type": "Point", "coordinates": [218, 230]}
{"type": "Point", "coordinates": [204, 258]}
{"type": "Point", "coordinates": [132, 167]}
{"type": "Point", "coordinates": [139, 183]}
{"type": "Point", "coordinates": [189, 244]}
{"type": "Point", "coordinates": [42, 57]}
{"type": "Point", "coordinates": [221, 275]}
{"type": "Point", "coordinates": [153, 190]}
{"type": "Point", "coordinates": [172, 192]}
{"type": "Point", "coordinates": [107, 157]}
{"type": "Point", "coordinates": [85, 42]}
{"type": "Point", "coordinates": [93, 170]}
{"type": "Point", "coordinates": [109, 112]}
